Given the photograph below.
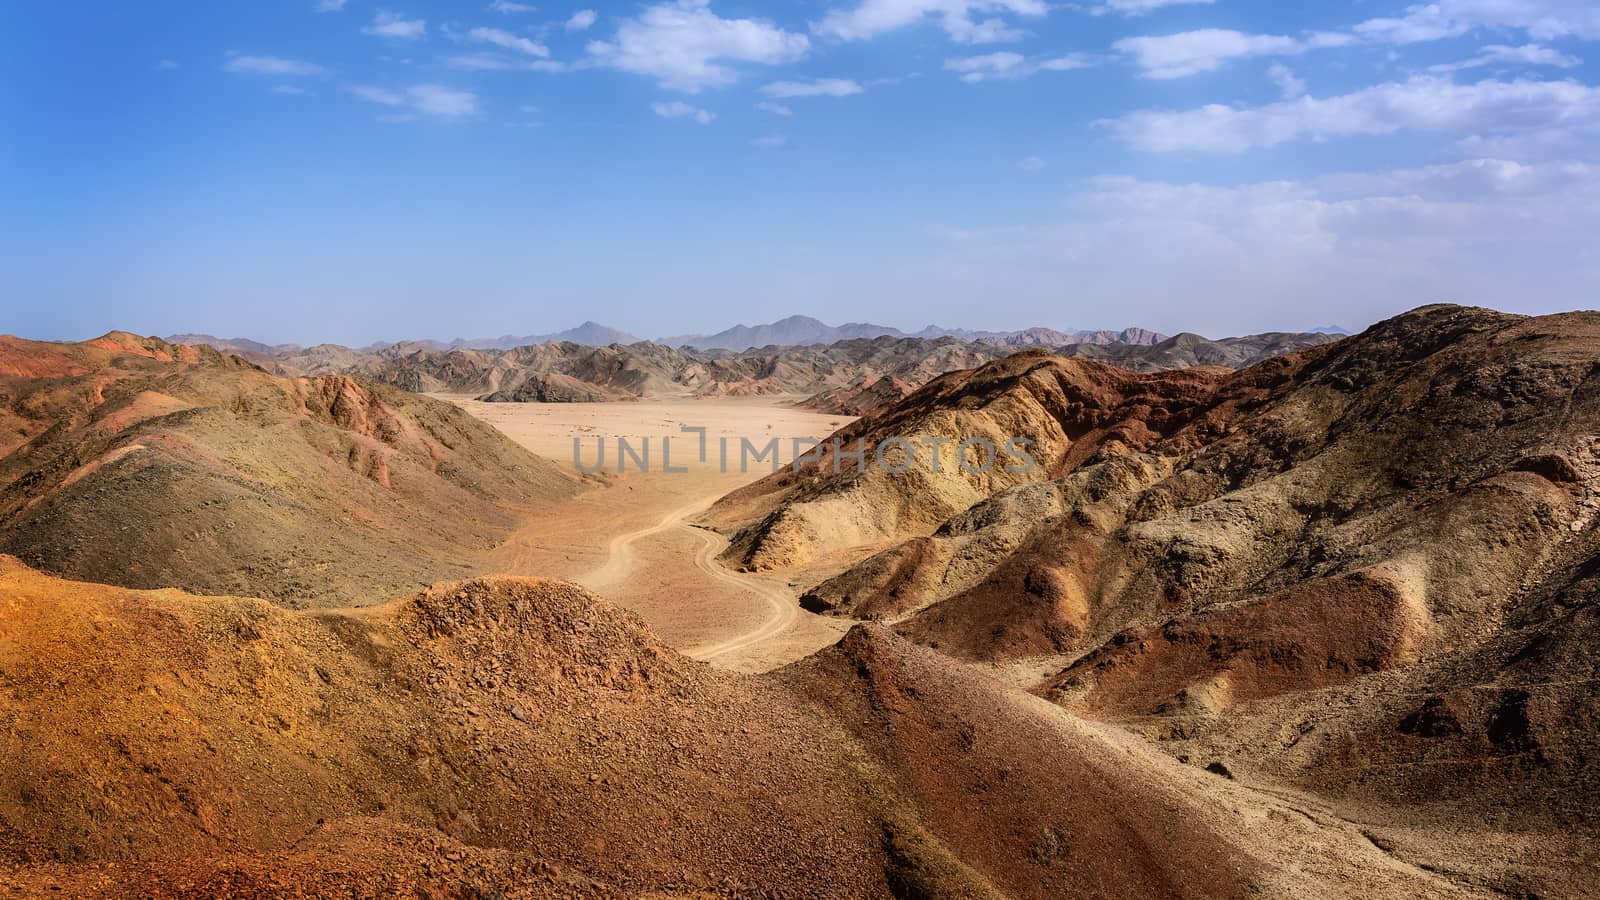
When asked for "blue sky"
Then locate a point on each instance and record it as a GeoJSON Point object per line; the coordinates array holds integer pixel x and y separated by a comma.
{"type": "Point", "coordinates": [308, 170]}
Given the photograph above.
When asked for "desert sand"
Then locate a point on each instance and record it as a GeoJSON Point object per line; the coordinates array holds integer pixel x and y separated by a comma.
{"type": "Point", "coordinates": [629, 537]}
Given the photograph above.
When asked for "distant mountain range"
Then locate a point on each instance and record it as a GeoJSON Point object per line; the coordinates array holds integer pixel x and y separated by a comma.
{"type": "Point", "coordinates": [850, 377]}
{"type": "Point", "coordinates": [803, 331]}
{"type": "Point", "coordinates": [794, 331]}
{"type": "Point", "coordinates": [591, 334]}
{"type": "Point", "coordinates": [232, 345]}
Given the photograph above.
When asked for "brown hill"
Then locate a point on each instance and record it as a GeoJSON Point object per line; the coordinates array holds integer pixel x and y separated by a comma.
{"type": "Point", "coordinates": [520, 737]}
{"type": "Point", "coordinates": [1066, 409]}
{"type": "Point", "coordinates": [862, 398]}
{"type": "Point", "coordinates": [135, 462]}
{"type": "Point", "coordinates": [1365, 568]}
{"type": "Point", "coordinates": [1153, 490]}
{"type": "Point", "coordinates": [570, 372]}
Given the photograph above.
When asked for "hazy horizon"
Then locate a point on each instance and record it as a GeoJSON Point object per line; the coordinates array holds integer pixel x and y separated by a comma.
{"type": "Point", "coordinates": [658, 338]}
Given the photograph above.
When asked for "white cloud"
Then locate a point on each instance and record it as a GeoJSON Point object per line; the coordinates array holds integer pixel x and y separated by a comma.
{"type": "Point", "coordinates": [777, 109]}
{"type": "Point", "coordinates": [1543, 19]}
{"type": "Point", "coordinates": [288, 90]}
{"type": "Point", "coordinates": [1290, 85]}
{"type": "Point", "coordinates": [391, 25]}
{"type": "Point", "coordinates": [1345, 249]}
{"type": "Point", "coordinates": [435, 100]}
{"type": "Point", "coordinates": [822, 87]}
{"type": "Point", "coordinates": [481, 62]}
{"type": "Point", "coordinates": [1006, 65]}
{"type": "Point", "coordinates": [677, 109]}
{"type": "Point", "coordinates": [1030, 164]}
{"type": "Point", "coordinates": [582, 20]}
{"type": "Point", "coordinates": [325, 6]}
{"type": "Point", "coordinates": [271, 65]}
{"type": "Point", "coordinates": [508, 41]}
{"type": "Point", "coordinates": [1192, 52]}
{"type": "Point", "coordinates": [495, 62]}
{"type": "Point", "coordinates": [384, 96]}
{"type": "Point", "coordinates": [1424, 103]}
{"type": "Point", "coordinates": [770, 141]}
{"type": "Point", "coordinates": [1526, 55]}
{"type": "Point", "coordinates": [685, 45]}
{"type": "Point", "coordinates": [166, 65]}
{"type": "Point", "coordinates": [1467, 181]}
{"type": "Point", "coordinates": [506, 7]}
{"type": "Point", "coordinates": [1421, 23]}
{"type": "Point", "coordinates": [1423, 235]}
{"type": "Point", "coordinates": [425, 99]}
{"type": "Point", "coordinates": [958, 18]}
{"type": "Point", "coordinates": [1140, 7]}
{"type": "Point", "coordinates": [1069, 63]}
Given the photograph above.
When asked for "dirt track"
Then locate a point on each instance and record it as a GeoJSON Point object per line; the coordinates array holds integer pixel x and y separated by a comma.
{"type": "Point", "coordinates": [621, 559]}
{"type": "Point", "coordinates": [631, 540]}
{"type": "Point", "coordinates": [619, 552]}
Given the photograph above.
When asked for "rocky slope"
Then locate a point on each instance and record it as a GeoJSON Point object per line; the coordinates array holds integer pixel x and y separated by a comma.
{"type": "Point", "coordinates": [131, 461]}
{"type": "Point", "coordinates": [523, 738]}
{"type": "Point", "coordinates": [1366, 568]}
{"type": "Point", "coordinates": [1065, 409]}
{"type": "Point", "coordinates": [557, 372]}
{"type": "Point", "coordinates": [862, 398]}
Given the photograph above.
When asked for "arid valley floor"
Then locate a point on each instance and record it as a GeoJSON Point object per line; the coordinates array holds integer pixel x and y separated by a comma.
{"type": "Point", "coordinates": [636, 542]}
{"type": "Point", "coordinates": [1319, 620]}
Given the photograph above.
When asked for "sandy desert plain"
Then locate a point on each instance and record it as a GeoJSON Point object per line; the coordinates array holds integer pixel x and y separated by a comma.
{"type": "Point", "coordinates": [633, 538]}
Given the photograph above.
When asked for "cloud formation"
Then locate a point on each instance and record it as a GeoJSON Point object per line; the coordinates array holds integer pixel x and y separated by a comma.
{"type": "Point", "coordinates": [964, 21]}
{"type": "Point", "coordinates": [1542, 19]}
{"type": "Point", "coordinates": [677, 109]}
{"type": "Point", "coordinates": [508, 41]}
{"type": "Point", "coordinates": [1192, 52]}
{"type": "Point", "coordinates": [1272, 254]}
{"type": "Point", "coordinates": [1141, 7]}
{"type": "Point", "coordinates": [687, 47]}
{"type": "Point", "coordinates": [271, 65]}
{"type": "Point", "coordinates": [1289, 84]}
{"type": "Point", "coordinates": [432, 100]}
{"type": "Point", "coordinates": [388, 24]}
{"type": "Point", "coordinates": [821, 87]}
{"type": "Point", "coordinates": [1525, 55]}
{"type": "Point", "coordinates": [1004, 64]}
{"type": "Point", "coordinates": [1421, 104]}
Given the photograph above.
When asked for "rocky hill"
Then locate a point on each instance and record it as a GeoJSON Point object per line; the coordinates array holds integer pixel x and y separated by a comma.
{"type": "Point", "coordinates": [523, 738]}
{"type": "Point", "coordinates": [1364, 568]}
{"type": "Point", "coordinates": [135, 462]}
{"type": "Point", "coordinates": [842, 374]}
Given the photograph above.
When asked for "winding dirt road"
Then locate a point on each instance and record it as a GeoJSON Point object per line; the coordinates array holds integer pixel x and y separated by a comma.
{"type": "Point", "coordinates": [785, 608]}
{"type": "Point", "coordinates": [619, 551]}
{"type": "Point", "coordinates": [620, 560]}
